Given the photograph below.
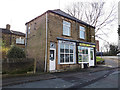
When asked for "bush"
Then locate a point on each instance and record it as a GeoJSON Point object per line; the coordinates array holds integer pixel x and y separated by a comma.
{"type": "Point", "coordinates": [100, 60]}
{"type": "Point", "coordinates": [16, 52]}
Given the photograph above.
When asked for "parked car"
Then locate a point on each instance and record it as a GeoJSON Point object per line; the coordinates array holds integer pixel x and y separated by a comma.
{"type": "Point", "coordinates": [118, 54]}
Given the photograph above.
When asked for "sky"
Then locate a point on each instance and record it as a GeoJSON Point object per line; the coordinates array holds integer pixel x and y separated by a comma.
{"type": "Point", "coordinates": [18, 12]}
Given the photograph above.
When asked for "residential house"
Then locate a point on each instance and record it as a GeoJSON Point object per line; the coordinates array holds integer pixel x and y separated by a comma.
{"type": "Point", "coordinates": [58, 41]}
{"type": "Point", "coordinates": [10, 37]}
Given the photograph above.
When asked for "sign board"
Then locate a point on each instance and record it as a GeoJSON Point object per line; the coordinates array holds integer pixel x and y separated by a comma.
{"type": "Point", "coordinates": [86, 45]}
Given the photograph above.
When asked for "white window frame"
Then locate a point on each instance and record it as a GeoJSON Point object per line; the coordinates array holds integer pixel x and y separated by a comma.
{"type": "Point", "coordinates": [83, 30]}
{"type": "Point", "coordinates": [68, 25]}
{"type": "Point", "coordinates": [29, 30]}
{"type": "Point", "coordinates": [84, 54]}
{"type": "Point", "coordinates": [74, 52]}
{"type": "Point", "coordinates": [20, 41]}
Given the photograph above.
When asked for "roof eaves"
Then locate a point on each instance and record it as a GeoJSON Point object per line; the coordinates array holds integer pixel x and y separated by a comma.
{"type": "Point", "coordinates": [77, 20]}
{"type": "Point", "coordinates": [36, 17]}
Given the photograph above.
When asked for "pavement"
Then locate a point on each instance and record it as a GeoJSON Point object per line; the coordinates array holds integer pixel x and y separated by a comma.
{"type": "Point", "coordinates": [71, 79]}
{"type": "Point", "coordinates": [64, 79]}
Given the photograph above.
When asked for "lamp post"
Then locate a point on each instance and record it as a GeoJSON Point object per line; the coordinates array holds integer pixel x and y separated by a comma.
{"type": "Point", "coordinates": [101, 52]}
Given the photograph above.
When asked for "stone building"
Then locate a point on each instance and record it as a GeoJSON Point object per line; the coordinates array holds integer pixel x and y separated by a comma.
{"type": "Point", "coordinates": [97, 45]}
{"type": "Point", "coordinates": [59, 42]}
{"type": "Point", "coordinates": [10, 37]}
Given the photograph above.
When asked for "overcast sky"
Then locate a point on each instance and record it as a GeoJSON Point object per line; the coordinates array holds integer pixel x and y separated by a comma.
{"type": "Point", "coordinates": [18, 12]}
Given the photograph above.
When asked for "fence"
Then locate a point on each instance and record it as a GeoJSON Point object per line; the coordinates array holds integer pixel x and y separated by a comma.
{"type": "Point", "coordinates": [17, 65]}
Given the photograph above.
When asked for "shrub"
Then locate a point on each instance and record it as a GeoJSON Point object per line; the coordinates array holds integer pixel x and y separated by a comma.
{"type": "Point", "coordinates": [16, 52]}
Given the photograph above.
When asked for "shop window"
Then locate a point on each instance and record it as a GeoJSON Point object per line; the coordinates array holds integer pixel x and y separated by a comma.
{"type": "Point", "coordinates": [82, 32]}
{"type": "Point", "coordinates": [66, 28]}
{"type": "Point", "coordinates": [67, 53]}
{"type": "Point", "coordinates": [82, 54]}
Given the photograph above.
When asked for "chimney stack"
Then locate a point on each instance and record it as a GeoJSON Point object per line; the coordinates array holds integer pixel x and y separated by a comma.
{"type": "Point", "coordinates": [8, 27]}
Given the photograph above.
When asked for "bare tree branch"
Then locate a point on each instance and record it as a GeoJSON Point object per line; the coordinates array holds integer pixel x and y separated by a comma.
{"type": "Point", "coordinates": [94, 14]}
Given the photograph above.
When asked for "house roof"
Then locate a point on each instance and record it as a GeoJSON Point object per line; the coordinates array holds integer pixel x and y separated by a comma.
{"type": "Point", "coordinates": [6, 31]}
{"type": "Point", "coordinates": [62, 13]}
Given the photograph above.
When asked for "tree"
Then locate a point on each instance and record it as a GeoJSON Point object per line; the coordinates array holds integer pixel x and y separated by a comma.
{"type": "Point", "coordinates": [16, 52]}
{"type": "Point", "coordinates": [113, 49]}
{"type": "Point", "coordinates": [95, 14]}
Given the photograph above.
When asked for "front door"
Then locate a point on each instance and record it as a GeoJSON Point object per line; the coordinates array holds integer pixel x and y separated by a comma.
{"type": "Point", "coordinates": [91, 56]}
{"type": "Point", "coordinates": [52, 59]}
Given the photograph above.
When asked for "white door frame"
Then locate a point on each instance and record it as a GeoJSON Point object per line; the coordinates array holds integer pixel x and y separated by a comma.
{"type": "Point", "coordinates": [53, 63]}
{"type": "Point", "coordinates": [91, 62]}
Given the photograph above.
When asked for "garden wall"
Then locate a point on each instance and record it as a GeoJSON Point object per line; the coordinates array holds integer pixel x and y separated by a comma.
{"type": "Point", "coordinates": [17, 65]}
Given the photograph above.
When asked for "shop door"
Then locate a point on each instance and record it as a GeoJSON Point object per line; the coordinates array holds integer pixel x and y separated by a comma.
{"type": "Point", "coordinates": [52, 60]}
{"type": "Point", "coordinates": [91, 56]}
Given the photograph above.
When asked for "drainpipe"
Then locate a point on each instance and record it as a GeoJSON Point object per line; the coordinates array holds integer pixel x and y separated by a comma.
{"type": "Point", "coordinates": [45, 69]}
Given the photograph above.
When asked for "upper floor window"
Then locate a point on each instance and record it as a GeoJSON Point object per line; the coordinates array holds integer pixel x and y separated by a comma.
{"type": "Point", "coordinates": [19, 40]}
{"type": "Point", "coordinates": [66, 28]}
{"type": "Point", "coordinates": [35, 26]}
{"type": "Point", "coordinates": [82, 32]}
{"type": "Point", "coordinates": [29, 30]}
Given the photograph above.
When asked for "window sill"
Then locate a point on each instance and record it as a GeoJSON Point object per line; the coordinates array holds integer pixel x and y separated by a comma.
{"type": "Point", "coordinates": [66, 35]}
{"type": "Point", "coordinates": [82, 38]}
{"type": "Point", "coordinates": [19, 44]}
{"type": "Point", "coordinates": [82, 62]}
{"type": "Point", "coordinates": [68, 63]}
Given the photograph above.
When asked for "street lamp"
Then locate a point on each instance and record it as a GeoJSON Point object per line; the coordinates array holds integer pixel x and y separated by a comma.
{"type": "Point", "coordinates": [101, 52]}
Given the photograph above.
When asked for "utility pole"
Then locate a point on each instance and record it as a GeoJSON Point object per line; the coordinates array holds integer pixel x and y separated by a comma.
{"type": "Point", "coordinates": [101, 52]}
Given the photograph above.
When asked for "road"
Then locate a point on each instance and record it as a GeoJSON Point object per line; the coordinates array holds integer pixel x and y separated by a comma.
{"type": "Point", "coordinates": [111, 61]}
{"type": "Point", "coordinates": [110, 81]}
{"type": "Point", "coordinates": [101, 79]}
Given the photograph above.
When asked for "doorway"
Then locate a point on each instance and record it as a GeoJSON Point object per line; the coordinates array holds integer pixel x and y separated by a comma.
{"type": "Point", "coordinates": [91, 56]}
{"type": "Point", "coordinates": [52, 60]}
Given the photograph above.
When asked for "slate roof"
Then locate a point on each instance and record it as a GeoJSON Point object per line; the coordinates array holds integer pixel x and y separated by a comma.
{"type": "Point", "coordinates": [62, 13]}
{"type": "Point", "coordinates": [2, 30]}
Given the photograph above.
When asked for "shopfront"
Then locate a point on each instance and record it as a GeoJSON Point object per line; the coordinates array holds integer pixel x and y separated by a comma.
{"type": "Point", "coordinates": [72, 53]}
{"type": "Point", "coordinates": [85, 54]}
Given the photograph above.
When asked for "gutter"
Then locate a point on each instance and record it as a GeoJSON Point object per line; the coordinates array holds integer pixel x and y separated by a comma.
{"type": "Point", "coordinates": [45, 69]}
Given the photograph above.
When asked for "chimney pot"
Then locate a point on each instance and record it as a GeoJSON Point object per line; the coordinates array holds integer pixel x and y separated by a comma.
{"type": "Point", "coordinates": [8, 27]}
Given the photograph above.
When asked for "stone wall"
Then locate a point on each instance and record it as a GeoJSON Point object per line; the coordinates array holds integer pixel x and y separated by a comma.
{"type": "Point", "coordinates": [55, 29]}
{"type": "Point", "coordinates": [17, 65]}
{"type": "Point", "coordinates": [36, 42]}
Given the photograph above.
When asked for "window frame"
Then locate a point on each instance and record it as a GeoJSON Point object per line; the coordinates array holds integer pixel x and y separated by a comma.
{"type": "Point", "coordinates": [83, 54]}
{"type": "Point", "coordinates": [29, 29]}
{"type": "Point", "coordinates": [59, 53]}
{"type": "Point", "coordinates": [20, 40]}
{"type": "Point", "coordinates": [68, 25]}
{"type": "Point", "coordinates": [81, 30]}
